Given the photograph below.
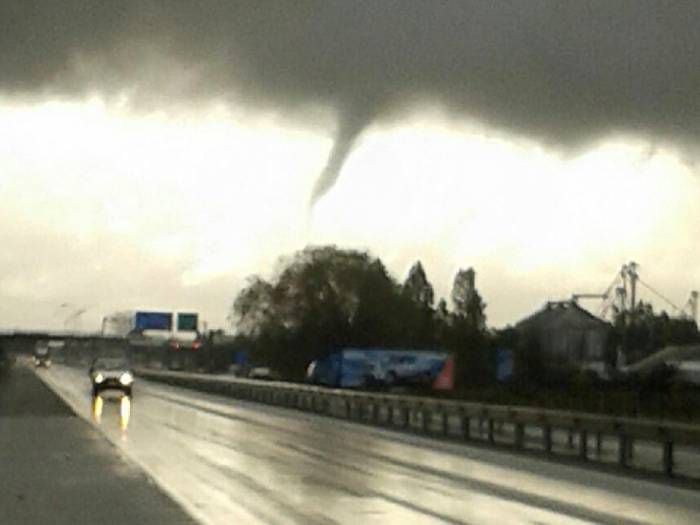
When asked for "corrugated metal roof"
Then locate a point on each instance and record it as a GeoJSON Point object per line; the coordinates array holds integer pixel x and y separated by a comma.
{"type": "Point", "coordinates": [558, 314]}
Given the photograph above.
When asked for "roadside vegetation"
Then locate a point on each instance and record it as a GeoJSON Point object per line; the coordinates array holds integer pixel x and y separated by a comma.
{"type": "Point", "coordinates": [324, 298]}
{"type": "Point", "coordinates": [5, 362]}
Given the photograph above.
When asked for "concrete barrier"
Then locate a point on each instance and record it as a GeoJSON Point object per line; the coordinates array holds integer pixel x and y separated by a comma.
{"type": "Point", "coordinates": [432, 416]}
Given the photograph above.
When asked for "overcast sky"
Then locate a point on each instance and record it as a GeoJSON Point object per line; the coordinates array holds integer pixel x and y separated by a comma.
{"type": "Point", "coordinates": [155, 154]}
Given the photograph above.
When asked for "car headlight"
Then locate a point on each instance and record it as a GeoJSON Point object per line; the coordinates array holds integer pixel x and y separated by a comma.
{"type": "Point", "coordinates": [126, 379]}
{"type": "Point", "coordinates": [99, 378]}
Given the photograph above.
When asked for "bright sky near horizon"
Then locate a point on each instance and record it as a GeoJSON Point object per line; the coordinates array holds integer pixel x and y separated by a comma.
{"type": "Point", "coordinates": [157, 153]}
{"type": "Point", "coordinates": [105, 208]}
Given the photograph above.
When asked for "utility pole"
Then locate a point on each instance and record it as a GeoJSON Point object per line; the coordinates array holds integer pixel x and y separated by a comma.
{"type": "Point", "coordinates": [622, 291]}
{"type": "Point", "coordinates": [621, 295]}
{"type": "Point", "coordinates": [633, 276]}
{"type": "Point", "coordinates": [694, 305]}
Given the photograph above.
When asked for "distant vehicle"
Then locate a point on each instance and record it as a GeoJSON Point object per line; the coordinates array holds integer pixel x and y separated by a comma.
{"type": "Point", "coordinates": [262, 372]}
{"type": "Point", "coordinates": [239, 364]}
{"type": "Point", "coordinates": [183, 353]}
{"type": "Point", "coordinates": [56, 344]}
{"type": "Point", "coordinates": [42, 354]}
{"type": "Point", "coordinates": [111, 373]}
{"type": "Point", "coordinates": [357, 368]}
{"type": "Point", "coordinates": [237, 370]}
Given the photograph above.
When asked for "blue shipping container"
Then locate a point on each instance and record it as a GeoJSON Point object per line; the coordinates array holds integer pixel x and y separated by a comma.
{"type": "Point", "coordinates": [355, 368]}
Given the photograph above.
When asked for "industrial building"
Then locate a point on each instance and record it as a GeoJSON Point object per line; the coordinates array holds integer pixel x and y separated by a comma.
{"type": "Point", "coordinates": [567, 333]}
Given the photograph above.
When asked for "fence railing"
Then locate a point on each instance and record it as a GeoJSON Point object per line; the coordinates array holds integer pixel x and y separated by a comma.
{"type": "Point", "coordinates": [530, 428]}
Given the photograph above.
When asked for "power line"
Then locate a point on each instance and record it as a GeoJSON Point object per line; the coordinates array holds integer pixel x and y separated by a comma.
{"type": "Point", "coordinates": [658, 294]}
{"type": "Point", "coordinates": [612, 284]}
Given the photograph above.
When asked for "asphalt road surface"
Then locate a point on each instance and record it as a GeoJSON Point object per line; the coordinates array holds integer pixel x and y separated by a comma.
{"type": "Point", "coordinates": [227, 461]}
{"type": "Point", "coordinates": [57, 469]}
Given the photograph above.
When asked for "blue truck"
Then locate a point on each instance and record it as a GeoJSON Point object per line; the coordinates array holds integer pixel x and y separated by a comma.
{"type": "Point", "coordinates": [359, 368]}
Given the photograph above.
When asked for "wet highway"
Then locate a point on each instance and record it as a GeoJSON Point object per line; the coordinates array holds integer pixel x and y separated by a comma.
{"type": "Point", "coordinates": [227, 461]}
{"type": "Point", "coordinates": [56, 469]}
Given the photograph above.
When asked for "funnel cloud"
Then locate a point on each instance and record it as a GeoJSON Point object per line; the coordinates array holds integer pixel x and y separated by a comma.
{"type": "Point", "coordinates": [351, 123]}
{"type": "Point", "coordinates": [563, 73]}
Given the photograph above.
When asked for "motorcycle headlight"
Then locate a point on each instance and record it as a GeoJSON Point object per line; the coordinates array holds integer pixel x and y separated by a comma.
{"type": "Point", "coordinates": [126, 379]}
{"type": "Point", "coordinates": [99, 378]}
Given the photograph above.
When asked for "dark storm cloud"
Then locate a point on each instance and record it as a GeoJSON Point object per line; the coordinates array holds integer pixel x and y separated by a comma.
{"type": "Point", "coordinates": [563, 73]}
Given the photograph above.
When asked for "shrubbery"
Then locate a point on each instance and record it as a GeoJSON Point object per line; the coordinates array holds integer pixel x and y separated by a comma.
{"type": "Point", "coordinates": [324, 298]}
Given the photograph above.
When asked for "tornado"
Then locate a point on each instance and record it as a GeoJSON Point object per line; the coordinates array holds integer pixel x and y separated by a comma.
{"type": "Point", "coordinates": [566, 75]}
{"type": "Point", "coordinates": [352, 122]}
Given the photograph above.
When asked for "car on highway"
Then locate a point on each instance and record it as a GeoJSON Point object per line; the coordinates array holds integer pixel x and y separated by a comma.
{"type": "Point", "coordinates": [111, 373]}
{"type": "Point", "coordinates": [262, 372]}
{"type": "Point", "coordinates": [42, 354]}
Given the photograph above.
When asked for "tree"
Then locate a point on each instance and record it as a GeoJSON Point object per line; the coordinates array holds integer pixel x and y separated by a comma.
{"type": "Point", "coordinates": [442, 312]}
{"type": "Point", "coordinates": [643, 332]}
{"type": "Point", "coordinates": [466, 300]}
{"type": "Point", "coordinates": [253, 306]}
{"type": "Point", "coordinates": [443, 320]}
{"type": "Point", "coordinates": [419, 317]}
{"type": "Point", "coordinates": [417, 288]}
{"type": "Point", "coordinates": [325, 298]}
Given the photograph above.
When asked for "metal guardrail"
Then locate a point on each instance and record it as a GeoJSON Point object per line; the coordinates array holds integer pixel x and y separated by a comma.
{"type": "Point", "coordinates": [424, 414]}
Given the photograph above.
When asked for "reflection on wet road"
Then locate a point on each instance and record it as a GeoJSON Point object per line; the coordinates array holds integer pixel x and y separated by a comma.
{"type": "Point", "coordinates": [232, 462]}
{"type": "Point", "coordinates": [124, 411]}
